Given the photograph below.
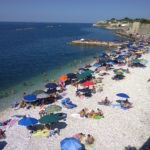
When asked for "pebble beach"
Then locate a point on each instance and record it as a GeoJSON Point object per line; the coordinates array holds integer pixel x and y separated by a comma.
{"type": "Point", "coordinates": [118, 129]}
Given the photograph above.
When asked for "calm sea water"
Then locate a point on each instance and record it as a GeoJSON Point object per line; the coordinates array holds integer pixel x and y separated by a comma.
{"type": "Point", "coordinates": [28, 49]}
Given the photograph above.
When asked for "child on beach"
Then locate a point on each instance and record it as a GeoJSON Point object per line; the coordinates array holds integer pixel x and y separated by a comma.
{"type": "Point", "coordinates": [90, 139]}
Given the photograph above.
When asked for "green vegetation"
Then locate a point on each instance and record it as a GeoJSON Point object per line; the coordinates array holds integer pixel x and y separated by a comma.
{"type": "Point", "coordinates": [126, 19]}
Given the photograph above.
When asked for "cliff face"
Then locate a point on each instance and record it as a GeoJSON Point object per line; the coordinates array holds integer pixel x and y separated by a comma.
{"type": "Point", "coordinates": [137, 27]}
{"type": "Point", "coordinates": [131, 28]}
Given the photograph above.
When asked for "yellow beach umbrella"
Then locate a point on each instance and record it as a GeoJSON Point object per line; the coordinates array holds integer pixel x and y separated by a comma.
{"type": "Point", "coordinates": [138, 52]}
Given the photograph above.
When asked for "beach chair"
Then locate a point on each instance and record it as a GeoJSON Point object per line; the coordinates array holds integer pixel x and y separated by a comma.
{"type": "Point", "coordinates": [68, 104]}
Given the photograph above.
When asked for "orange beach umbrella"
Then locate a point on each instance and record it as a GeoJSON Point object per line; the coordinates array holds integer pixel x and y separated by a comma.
{"type": "Point", "coordinates": [63, 78]}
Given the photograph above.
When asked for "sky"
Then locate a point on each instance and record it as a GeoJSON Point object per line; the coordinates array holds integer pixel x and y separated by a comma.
{"type": "Point", "coordinates": [87, 11]}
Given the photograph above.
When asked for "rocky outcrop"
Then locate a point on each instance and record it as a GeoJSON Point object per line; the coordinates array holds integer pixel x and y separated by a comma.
{"type": "Point", "coordinates": [140, 28]}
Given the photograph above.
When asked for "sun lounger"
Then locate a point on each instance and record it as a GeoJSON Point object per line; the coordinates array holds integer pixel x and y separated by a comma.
{"type": "Point", "coordinates": [68, 104]}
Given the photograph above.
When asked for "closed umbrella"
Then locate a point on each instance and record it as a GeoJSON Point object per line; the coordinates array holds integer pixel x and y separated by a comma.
{"type": "Point", "coordinates": [27, 121]}
{"type": "Point", "coordinates": [52, 109]}
{"type": "Point", "coordinates": [51, 118]}
{"type": "Point", "coordinates": [70, 144]}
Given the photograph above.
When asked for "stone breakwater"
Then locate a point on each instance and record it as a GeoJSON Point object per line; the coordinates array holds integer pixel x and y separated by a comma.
{"type": "Point", "coordinates": [96, 43]}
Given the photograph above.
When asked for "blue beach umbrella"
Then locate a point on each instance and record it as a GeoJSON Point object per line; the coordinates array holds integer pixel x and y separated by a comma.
{"type": "Point", "coordinates": [123, 95]}
{"type": "Point", "coordinates": [30, 98]}
{"type": "Point", "coordinates": [51, 85]}
{"type": "Point", "coordinates": [110, 63]}
{"type": "Point", "coordinates": [27, 121]}
{"type": "Point", "coordinates": [96, 65]}
{"type": "Point", "coordinates": [70, 144]}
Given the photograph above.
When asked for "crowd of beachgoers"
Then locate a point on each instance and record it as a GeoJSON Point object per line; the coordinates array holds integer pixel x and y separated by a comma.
{"type": "Point", "coordinates": [70, 114]}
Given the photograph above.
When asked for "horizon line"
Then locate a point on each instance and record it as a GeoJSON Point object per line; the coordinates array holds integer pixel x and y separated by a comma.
{"type": "Point", "coordinates": [43, 22]}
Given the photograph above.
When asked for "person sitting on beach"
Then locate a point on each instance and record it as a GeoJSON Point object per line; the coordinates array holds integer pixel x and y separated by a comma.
{"type": "Point", "coordinates": [93, 89]}
{"type": "Point", "coordinates": [41, 113]}
{"type": "Point", "coordinates": [82, 113]}
{"type": "Point", "coordinates": [22, 104]}
{"type": "Point", "coordinates": [91, 114]}
{"type": "Point", "coordinates": [90, 139]}
{"type": "Point", "coordinates": [106, 101]}
{"type": "Point", "coordinates": [99, 112]}
{"type": "Point", "coordinates": [107, 67]}
{"type": "Point", "coordinates": [127, 104]}
{"type": "Point", "coordinates": [2, 134]}
{"type": "Point", "coordinates": [79, 136]}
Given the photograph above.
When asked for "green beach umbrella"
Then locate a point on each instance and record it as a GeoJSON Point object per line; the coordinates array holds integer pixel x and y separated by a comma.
{"type": "Point", "coordinates": [49, 119]}
{"type": "Point", "coordinates": [52, 109]}
{"type": "Point", "coordinates": [38, 92]}
{"type": "Point", "coordinates": [135, 60]}
{"type": "Point", "coordinates": [102, 60]}
{"type": "Point", "coordinates": [119, 73]}
{"type": "Point", "coordinates": [85, 74]}
{"type": "Point", "coordinates": [143, 61]}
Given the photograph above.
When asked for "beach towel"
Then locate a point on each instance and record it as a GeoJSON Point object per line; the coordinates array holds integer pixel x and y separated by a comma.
{"type": "Point", "coordinates": [68, 104]}
{"type": "Point", "coordinates": [119, 105]}
{"type": "Point", "coordinates": [76, 116]}
{"type": "Point", "coordinates": [41, 133]}
{"type": "Point", "coordinates": [12, 122]}
{"type": "Point", "coordinates": [97, 117]}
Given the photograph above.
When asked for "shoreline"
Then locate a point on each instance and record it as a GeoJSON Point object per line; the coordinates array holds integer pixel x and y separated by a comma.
{"type": "Point", "coordinates": [30, 89]}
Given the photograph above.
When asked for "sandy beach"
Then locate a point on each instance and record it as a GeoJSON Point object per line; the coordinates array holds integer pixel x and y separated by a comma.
{"type": "Point", "coordinates": [118, 129]}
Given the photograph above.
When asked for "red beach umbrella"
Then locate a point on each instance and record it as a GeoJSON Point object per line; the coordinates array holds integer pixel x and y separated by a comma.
{"type": "Point", "coordinates": [88, 83]}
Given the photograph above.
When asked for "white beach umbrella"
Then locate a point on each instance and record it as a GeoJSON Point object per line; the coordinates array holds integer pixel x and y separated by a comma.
{"type": "Point", "coordinates": [42, 95]}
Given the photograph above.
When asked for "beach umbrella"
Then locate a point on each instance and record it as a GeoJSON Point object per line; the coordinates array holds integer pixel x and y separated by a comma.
{"type": "Point", "coordinates": [70, 144]}
{"type": "Point", "coordinates": [47, 119]}
{"type": "Point", "coordinates": [88, 83]}
{"type": "Point", "coordinates": [138, 52]}
{"type": "Point", "coordinates": [51, 85]}
{"type": "Point", "coordinates": [92, 68]}
{"type": "Point", "coordinates": [102, 60]}
{"type": "Point", "coordinates": [135, 61]}
{"type": "Point", "coordinates": [143, 61]}
{"type": "Point", "coordinates": [38, 92]}
{"type": "Point", "coordinates": [119, 73]}
{"type": "Point", "coordinates": [63, 78]}
{"type": "Point", "coordinates": [50, 91]}
{"type": "Point", "coordinates": [85, 90]}
{"type": "Point", "coordinates": [85, 74]}
{"type": "Point", "coordinates": [71, 75]}
{"type": "Point", "coordinates": [52, 109]}
{"type": "Point", "coordinates": [83, 69]}
{"type": "Point", "coordinates": [30, 98]}
{"type": "Point", "coordinates": [27, 121]}
{"type": "Point", "coordinates": [123, 95]}
{"type": "Point", "coordinates": [42, 95]}
{"type": "Point", "coordinates": [110, 63]}
{"type": "Point", "coordinates": [96, 65]}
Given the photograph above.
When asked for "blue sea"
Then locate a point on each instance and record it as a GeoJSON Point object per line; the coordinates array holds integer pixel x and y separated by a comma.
{"type": "Point", "coordinates": [31, 54]}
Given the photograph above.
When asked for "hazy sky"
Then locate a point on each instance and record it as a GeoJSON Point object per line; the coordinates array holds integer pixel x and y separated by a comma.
{"type": "Point", "coordinates": [71, 10]}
